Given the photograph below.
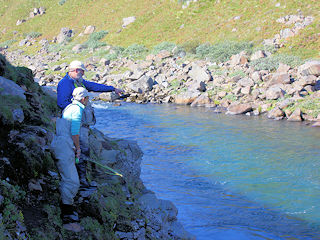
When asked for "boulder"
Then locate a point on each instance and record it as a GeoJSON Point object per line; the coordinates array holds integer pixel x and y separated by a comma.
{"type": "Point", "coordinates": [8, 87]}
{"type": "Point", "coordinates": [296, 116]}
{"type": "Point", "coordinates": [246, 82]}
{"type": "Point", "coordinates": [307, 80]}
{"type": "Point", "coordinates": [19, 22]}
{"type": "Point", "coordinates": [310, 68]}
{"type": "Point", "coordinates": [163, 55]}
{"type": "Point", "coordinates": [279, 78]}
{"type": "Point", "coordinates": [195, 85]}
{"type": "Point", "coordinates": [108, 96]}
{"type": "Point", "coordinates": [186, 97]}
{"type": "Point", "coordinates": [257, 55]}
{"type": "Point", "coordinates": [161, 215]}
{"type": "Point", "coordinates": [246, 90]}
{"type": "Point", "coordinates": [283, 68]}
{"type": "Point", "coordinates": [203, 100]}
{"type": "Point", "coordinates": [128, 20]}
{"type": "Point", "coordinates": [274, 92]}
{"type": "Point", "coordinates": [89, 29]}
{"type": "Point", "coordinates": [276, 114]}
{"type": "Point", "coordinates": [18, 115]}
{"type": "Point", "coordinates": [256, 76]}
{"type": "Point", "coordinates": [64, 34]}
{"type": "Point", "coordinates": [142, 85]}
{"type": "Point", "coordinates": [239, 59]}
{"type": "Point", "coordinates": [199, 74]}
{"type": "Point", "coordinates": [286, 33]}
{"type": "Point", "coordinates": [137, 73]}
{"type": "Point", "coordinates": [236, 108]}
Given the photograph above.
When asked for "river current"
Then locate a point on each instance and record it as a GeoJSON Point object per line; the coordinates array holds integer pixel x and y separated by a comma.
{"type": "Point", "coordinates": [231, 177]}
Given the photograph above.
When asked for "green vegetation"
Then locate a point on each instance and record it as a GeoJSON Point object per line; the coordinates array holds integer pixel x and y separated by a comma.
{"type": "Point", "coordinates": [158, 21]}
{"type": "Point", "coordinates": [32, 35]}
{"type": "Point", "coordinates": [135, 51]}
{"type": "Point", "coordinates": [272, 63]}
{"type": "Point", "coordinates": [7, 43]}
{"type": "Point", "coordinates": [94, 40]}
{"type": "Point", "coordinates": [222, 52]}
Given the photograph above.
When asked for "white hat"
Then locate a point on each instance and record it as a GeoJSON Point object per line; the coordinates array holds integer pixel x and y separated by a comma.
{"type": "Point", "coordinates": [79, 93]}
{"type": "Point", "coordinates": [77, 65]}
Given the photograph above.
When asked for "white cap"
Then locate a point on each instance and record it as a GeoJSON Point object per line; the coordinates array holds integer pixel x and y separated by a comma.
{"type": "Point", "coordinates": [77, 65]}
{"type": "Point", "coordinates": [79, 93]}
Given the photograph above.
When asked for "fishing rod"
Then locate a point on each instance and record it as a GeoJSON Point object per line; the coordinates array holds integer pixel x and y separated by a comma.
{"type": "Point", "coordinates": [102, 166]}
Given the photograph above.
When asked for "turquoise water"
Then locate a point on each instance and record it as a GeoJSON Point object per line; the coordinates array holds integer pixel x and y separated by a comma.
{"type": "Point", "coordinates": [231, 177]}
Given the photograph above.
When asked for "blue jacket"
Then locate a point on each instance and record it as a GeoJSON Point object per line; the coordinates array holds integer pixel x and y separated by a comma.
{"type": "Point", "coordinates": [66, 87]}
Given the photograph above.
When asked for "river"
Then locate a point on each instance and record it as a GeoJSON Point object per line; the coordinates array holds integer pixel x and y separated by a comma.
{"type": "Point", "coordinates": [231, 177]}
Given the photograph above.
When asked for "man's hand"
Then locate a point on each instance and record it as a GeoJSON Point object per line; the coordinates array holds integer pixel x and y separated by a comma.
{"type": "Point", "coordinates": [118, 91]}
{"type": "Point", "coordinates": [78, 152]}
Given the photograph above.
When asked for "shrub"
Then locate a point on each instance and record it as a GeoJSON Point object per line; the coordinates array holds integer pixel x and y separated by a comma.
{"type": "Point", "coordinates": [7, 43]}
{"type": "Point", "coordinates": [97, 36]}
{"type": "Point", "coordinates": [114, 53]}
{"type": "Point", "coordinates": [272, 63]}
{"type": "Point", "coordinates": [62, 2]}
{"type": "Point", "coordinates": [169, 46]}
{"type": "Point", "coordinates": [191, 46]}
{"type": "Point", "coordinates": [94, 40]}
{"type": "Point", "coordinates": [222, 52]}
{"type": "Point", "coordinates": [33, 35]}
{"type": "Point", "coordinates": [135, 50]}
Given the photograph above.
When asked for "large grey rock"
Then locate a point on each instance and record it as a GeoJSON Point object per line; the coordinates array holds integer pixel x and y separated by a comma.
{"type": "Point", "coordinates": [144, 84]}
{"type": "Point", "coordinates": [276, 114]}
{"type": "Point", "coordinates": [89, 29]}
{"type": "Point", "coordinates": [246, 82]}
{"type": "Point", "coordinates": [286, 33]}
{"type": "Point", "coordinates": [307, 80]}
{"type": "Point", "coordinates": [196, 85]}
{"type": "Point", "coordinates": [239, 59]}
{"type": "Point", "coordinates": [235, 108]}
{"type": "Point", "coordinates": [161, 218]}
{"type": "Point", "coordinates": [295, 116]}
{"type": "Point", "coordinates": [279, 78]}
{"type": "Point", "coordinates": [8, 87]}
{"type": "Point", "coordinates": [203, 100]}
{"type": "Point", "coordinates": [64, 34]}
{"type": "Point", "coordinates": [137, 73]}
{"type": "Point", "coordinates": [18, 115]}
{"type": "Point", "coordinates": [186, 97]}
{"type": "Point", "coordinates": [109, 156]}
{"type": "Point", "coordinates": [257, 55]}
{"type": "Point", "coordinates": [128, 20]}
{"type": "Point", "coordinates": [199, 74]}
{"type": "Point", "coordinates": [274, 92]}
{"type": "Point", "coordinates": [108, 96]}
{"type": "Point", "coordinates": [310, 68]}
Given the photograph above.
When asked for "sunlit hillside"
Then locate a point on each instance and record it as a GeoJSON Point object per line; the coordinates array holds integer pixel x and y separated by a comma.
{"type": "Point", "coordinates": [167, 20]}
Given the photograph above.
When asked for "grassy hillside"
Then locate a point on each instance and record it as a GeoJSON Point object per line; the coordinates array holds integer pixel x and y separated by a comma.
{"type": "Point", "coordinates": [166, 20]}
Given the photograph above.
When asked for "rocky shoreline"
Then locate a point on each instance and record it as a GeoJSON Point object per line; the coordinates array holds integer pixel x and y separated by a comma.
{"type": "Point", "coordinates": [236, 85]}
{"type": "Point", "coordinates": [120, 208]}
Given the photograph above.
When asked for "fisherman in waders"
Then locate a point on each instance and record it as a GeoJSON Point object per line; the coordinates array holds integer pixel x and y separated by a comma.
{"type": "Point", "coordinates": [66, 147]}
{"type": "Point", "coordinates": [73, 79]}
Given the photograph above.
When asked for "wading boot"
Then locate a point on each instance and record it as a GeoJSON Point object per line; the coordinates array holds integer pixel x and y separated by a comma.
{"type": "Point", "coordinates": [82, 171]}
{"type": "Point", "coordinates": [68, 215]}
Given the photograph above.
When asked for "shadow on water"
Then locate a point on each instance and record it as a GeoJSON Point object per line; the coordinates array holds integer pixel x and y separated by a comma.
{"type": "Point", "coordinates": [231, 177]}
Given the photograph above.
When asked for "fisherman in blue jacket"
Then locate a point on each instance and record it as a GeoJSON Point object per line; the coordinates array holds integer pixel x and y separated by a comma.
{"type": "Point", "coordinates": [72, 80]}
